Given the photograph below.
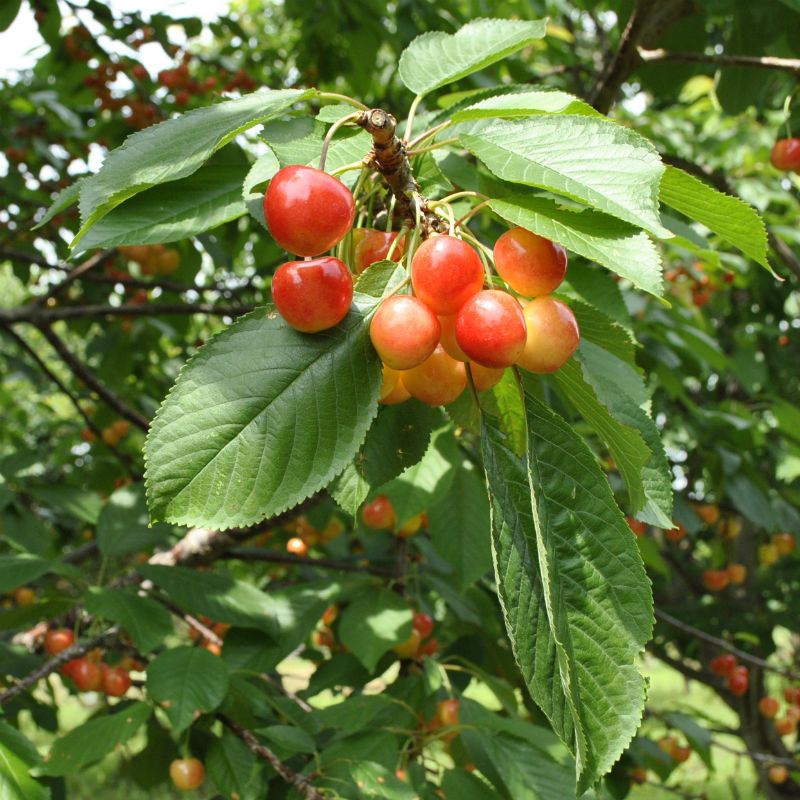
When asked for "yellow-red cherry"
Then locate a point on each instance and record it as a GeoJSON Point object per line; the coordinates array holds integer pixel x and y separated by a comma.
{"type": "Point", "coordinates": [116, 681]}
{"type": "Point", "coordinates": [786, 154]}
{"type": "Point", "coordinates": [445, 273]}
{"type": "Point", "coordinates": [552, 335]}
{"type": "Point", "coordinates": [529, 264]}
{"type": "Point", "coordinates": [307, 210]}
{"type": "Point", "coordinates": [485, 377]}
{"type": "Point", "coordinates": [490, 329]}
{"type": "Point", "coordinates": [372, 246]}
{"type": "Point", "coordinates": [448, 338]}
{"type": "Point", "coordinates": [392, 389]}
{"type": "Point", "coordinates": [187, 773]}
{"type": "Point", "coordinates": [379, 513]}
{"type": "Point", "coordinates": [58, 640]}
{"type": "Point", "coordinates": [88, 675]}
{"type": "Point", "coordinates": [313, 295]}
{"type": "Point", "coordinates": [447, 713]}
{"type": "Point", "coordinates": [404, 332]}
{"type": "Point", "coordinates": [437, 381]}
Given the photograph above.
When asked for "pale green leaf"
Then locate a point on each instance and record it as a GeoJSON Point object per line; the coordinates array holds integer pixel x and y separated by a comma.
{"type": "Point", "coordinates": [263, 170]}
{"type": "Point", "coordinates": [525, 104]}
{"type": "Point", "coordinates": [63, 200]}
{"type": "Point", "coordinates": [123, 525]}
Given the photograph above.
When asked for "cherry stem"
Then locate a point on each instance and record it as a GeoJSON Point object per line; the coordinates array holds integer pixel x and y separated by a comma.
{"type": "Point", "coordinates": [323, 156]}
{"type": "Point", "coordinates": [400, 234]}
{"type": "Point", "coordinates": [430, 132]}
{"type": "Point", "coordinates": [457, 196]}
{"type": "Point", "coordinates": [474, 210]}
{"type": "Point", "coordinates": [344, 98]}
{"type": "Point", "coordinates": [434, 146]}
{"type": "Point", "coordinates": [411, 114]}
{"type": "Point", "coordinates": [348, 167]}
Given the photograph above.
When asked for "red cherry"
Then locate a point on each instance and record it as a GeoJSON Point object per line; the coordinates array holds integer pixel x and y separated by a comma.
{"type": "Point", "coordinates": [307, 210]}
{"type": "Point", "coordinates": [429, 648]}
{"type": "Point", "coordinates": [57, 640]}
{"type": "Point", "coordinates": [739, 680]}
{"type": "Point", "coordinates": [490, 329]}
{"type": "Point", "coordinates": [116, 682]}
{"type": "Point", "coordinates": [786, 154]}
{"type": "Point", "coordinates": [437, 381]}
{"type": "Point", "coordinates": [372, 246]}
{"type": "Point", "coordinates": [553, 335]}
{"type": "Point", "coordinates": [445, 273]}
{"type": "Point", "coordinates": [778, 774]}
{"type": "Point", "coordinates": [723, 664]}
{"type": "Point", "coordinates": [529, 264]}
{"type": "Point", "coordinates": [187, 773]}
{"type": "Point", "coordinates": [485, 377]}
{"type": "Point", "coordinates": [791, 694]}
{"type": "Point", "coordinates": [715, 580]}
{"type": "Point", "coordinates": [785, 725]}
{"type": "Point", "coordinates": [448, 338]}
{"type": "Point", "coordinates": [423, 623]}
{"type": "Point", "coordinates": [447, 713]}
{"type": "Point", "coordinates": [88, 675]}
{"type": "Point", "coordinates": [379, 514]}
{"type": "Point", "coordinates": [637, 526]}
{"type": "Point", "coordinates": [768, 706]}
{"type": "Point", "coordinates": [313, 295]}
{"type": "Point", "coordinates": [404, 332]}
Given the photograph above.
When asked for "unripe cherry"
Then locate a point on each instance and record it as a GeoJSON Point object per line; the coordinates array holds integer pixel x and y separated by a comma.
{"type": "Point", "coordinates": [187, 773]}
{"type": "Point", "coordinates": [552, 335]}
{"type": "Point", "coordinates": [490, 329]}
{"type": "Point", "coordinates": [784, 543]}
{"type": "Point", "coordinates": [372, 246]}
{"type": "Point", "coordinates": [778, 774]}
{"type": "Point", "coordinates": [737, 573]}
{"type": "Point", "coordinates": [410, 527]}
{"type": "Point", "coordinates": [57, 640]}
{"type": "Point", "coordinates": [379, 513]}
{"type": "Point", "coordinates": [531, 265]}
{"type": "Point", "coordinates": [448, 338]}
{"type": "Point", "coordinates": [307, 210]}
{"type": "Point", "coordinates": [485, 377]}
{"type": "Point", "coordinates": [404, 332]}
{"type": "Point", "coordinates": [313, 295]}
{"type": "Point", "coordinates": [445, 273]}
{"type": "Point", "coordinates": [786, 154]}
{"type": "Point", "coordinates": [437, 381]}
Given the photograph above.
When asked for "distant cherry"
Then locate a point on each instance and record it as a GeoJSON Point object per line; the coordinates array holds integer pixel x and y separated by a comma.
{"type": "Point", "coordinates": [296, 546]}
{"type": "Point", "coordinates": [723, 664]}
{"type": "Point", "coordinates": [715, 580]}
{"type": "Point", "coordinates": [57, 640]}
{"type": "Point", "coordinates": [116, 681]}
{"type": "Point", "coordinates": [313, 295]}
{"type": "Point", "coordinates": [187, 773]}
{"type": "Point", "coordinates": [738, 680]}
{"type": "Point", "coordinates": [437, 381]}
{"type": "Point", "coordinates": [786, 154]}
{"type": "Point", "coordinates": [445, 273]}
{"type": "Point", "coordinates": [778, 774]}
{"type": "Point", "coordinates": [529, 264]}
{"type": "Point", "coordinates": [447, 713]}
{"type": "Point", "coordinates": [409, 647]}
{"type": "Point", "coordinates": [379, 513]}
{"type": "Point", "coordinates": [423, 623]}
{"type": "Point", "coordinates": [490, 329]}
{"type": "Point", "coordinates": [737, 573]}
{"type": "Point", "coordinates": [404, 332]}
{"type": "Point", "coordinates": [552, 335]}
{"type": "Point", "coordinates": [768, 706]}
{"type": "Point", "coordinates": [372, 246]}
{"type": "Point", "coordinates": [307, 210]}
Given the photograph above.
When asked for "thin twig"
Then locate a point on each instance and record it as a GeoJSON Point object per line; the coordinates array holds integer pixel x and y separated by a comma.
{"type": "Point", "coordinates": [35, 315]}
{"type": "Point", "coordinates": [790, 65]}
{"type": "Point", "coordinates": [273, 557]}
{"type": "Point", "coordinates": [74, 274]}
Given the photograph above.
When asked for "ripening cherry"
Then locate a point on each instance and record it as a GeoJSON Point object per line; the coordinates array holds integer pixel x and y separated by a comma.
{"type": "Point", "coordinates": [447, 713]}
{"type": "Point", "coordinates": [784, 543]}
{"type": "Point", "coordinates": [681, 753]}
{"type": "Point", "coordinates": [445, 273]}
{"type": "Point", "coordinates": [768, 554]}
{"type": "Point", "coordinates": [393, 390]}
{"type": "Point", "coordinates": [313, 295]}
{"type": "Point", "coordinates": [739, 680]}
{"type": "Point", "coordinates": [737, 573]}
{"type": "Point", "coordinates": [187, 773]}
{"type": "Point", "coordinates": [57, 640]}
{"type": "Point", "coordinates": [88, 675]}
{"type": "Point", "coordinates": [307, 210]}
{"type": "Point", "coordinates": [409, 648]}
{"type": "Point", "coordinates": [553, 335]}
{"type": "Point", "coordinates": [667, 744]}
{"type": "Point", "coordinates": [786, 154]}
{"type": "Point", "coordinates": [708, 512]}
{"type": "Point", "coordinates": [490, 329]}
{"type": "Point", "coordinates": [437, 381]}
{"type": "Point", "coordinates": [791, 694]}
{"type": "Point", "coordinates": [410, 526]}
{"type": "Point", "coordinates": [429, 648]}
{"type": "Point", "coordinates": [531, 265]}
{"type": "Point", "coordinates": [404, 332]}
{"type": "Point", "coordinates": [675, 535]}
{"type": "Point", "coordinates": [723, 664]}
{"type": "Point", "coordinates": [485, 377]}
{"type": "Point", "coordinates": [785, 726]}
{"type": "Point", "coordinates": [24, 596]}
{"type": "Point", "coordinates": [768, 706]}
{"type": "Point", "coordinates": [116, 681]}
{"type": "Point", "coordinates": [379, 514]}
{"type": "Point", "coordinates": [423, 623]}
{"type": "Point", "coordinates": [778, 774]}
{"type": "Point", "coordinates": [638, 527]}
{"type": "Point", "coordinates": [296, 546]}
{"type": "Point", "coordinates": [448, 338]}
{"type": "Point", "coordinates": [715, 580]}
{"type": "Point", "coordinates": [372, 246]}
{"type": "Point", "coordinates": [324, 638]}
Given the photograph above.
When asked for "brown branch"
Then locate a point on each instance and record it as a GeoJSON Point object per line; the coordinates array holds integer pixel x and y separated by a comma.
{"type": "Point", "coordinates": [74, 274]}
{"type": "Point", "coordinates": [270, 556]}
{"type": "Point", "coordinates": [45, 316]}
{"type": "Point", "coordinates": [300, 782]}
{"type": "Point", "coordinates": [790, 65]}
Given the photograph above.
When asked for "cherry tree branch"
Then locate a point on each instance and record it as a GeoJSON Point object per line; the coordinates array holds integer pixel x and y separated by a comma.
{"type": "Point", "coordinates": [45, 316]}
{"type": "Point", "coordinates": [273, 557]}
{"type": "Point", "coordinates": [767, 758]}
{"type": "Point", "coordinates": [790, 65]}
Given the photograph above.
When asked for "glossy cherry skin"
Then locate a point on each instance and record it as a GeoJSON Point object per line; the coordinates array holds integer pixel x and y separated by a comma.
{"type": "Point", "coordinates": [57, 640]}
{"type": "Point", "coordinates": [392, 389]}
{"type": "Point", "coordinates": [529, 264]}
{"type": "Point", "coordinates": [88, 675]}
{"type": "Point", "coordinates": [786, 154]}
{"type": "Point", "coordinates": [445, 273]}
{"type": "Point", "coordinates": [423, 623]}
{"type": "Point", "coordinates": [313, 295]}
{"type": "Point", "coordinates": [307, 210]}
{"type": "Point", "coordinates": [187, 773]}
{"type": "Point", "coordinates": [116, 682]}
{"type": "Point", "coordinates": [552, 337]}
{"type": "Point", "coordinates": [490, 329]}
{"type": "Point", "coordinates": [379, 513]}
{"type": "Point", "coordinates": [404, 332]}
{"type": "Point", "coordinates": [437, 381]}
{"type": "Point", "coordinates": [372, 246]}
{"type": "Point", "coordinates": [485, 377]}
{"type": "Point", "coordinates": [448, 338]}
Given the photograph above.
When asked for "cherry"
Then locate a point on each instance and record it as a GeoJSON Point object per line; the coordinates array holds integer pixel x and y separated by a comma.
{"type": "Point", "coordinates": [372, 246]}
{"type": "Point", "coordinates": [330, 614]}
{"type": "Point", "coordinates": [307, 210]}
{"type": "Point", "coordinates": [768, 554]}
{"type": "Point", "coordinates": [24, 596]}
{"type": "Point", "coordinates": [423, 623]}
{"type": "Point", "coordinates": [187, 773]}
{"type": "Point", "coordinates": [791, 694]}
{"type": "Point", "coordinates": [708, 512]}
{"type": "Point", "coordinates": [667, 744]}
{"type": "Point", "coordinates": [739, 680]}
{"type": "Point", "coordinates": [681, 754]}
{"type": "Point", "coordinates": [768, 706]}
{"type": "Point", "coordinates": [786, 154]}
{"type": "Point", "coordinates": [296, 546]}
{"type": "Point", "coordinates": [638, 775]}
{"type": "Point", "coordinates": [404, 332]}
{"type": "Point", "coordinates": [88, 675]}
{"type": "Point", "coordinates": [490, 329]}
{"type": "Point", "coordinates": [553, 335]}
{"type": "Point", "coordinates": [723, 664]}
{"type": "Point", "coordinates": [437, 381]}
{"type": "Point", "coordinates": [784, 543]}
{"type": "Point", "coordinates": [778, 774]}
{"type": "Point", "coordinates": [638, 527]}
{"type": "Point", "coordinates": [429, 648]}
{"type": "Point", "coordinates": [715, 580]}
{"type": "Point", "coordinates": [485, 377]}
{"type": "Point", "coordinates": [410, 526]}
{"type": "Point", "coordinates": [445, 273]}
{"type": "Point", "coordinates": [737, 573]}
{"type": "Point", "coordinates": [392, 389]}
{"type": "Point", "coordinates": [447, 713]}
{"type": "Point", "coordinates": [116, 682]}
{"type": "Point", "coordinates": [531, 265]}
{"type": "Point", "coordinates": [785, 726]}
{"type": "Point", "coordinates": [324, 638]}
{"type": "Point", "coordinates": [313, 295]}
{"type": "Point", "coordinates": [409, 648]}
{"type": "Point", "coordinates": [675, 534]}
{"type": "Point", "coordinates": [379, 514]}
{"type": "Point", "coordinates": [57, 640]}
{"type": "Point", "coordinates": [448, 338]}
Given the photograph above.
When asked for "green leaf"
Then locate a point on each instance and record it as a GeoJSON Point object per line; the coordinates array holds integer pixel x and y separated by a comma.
{"type": "Point", "coordinates": [94, 739]}
{"type": "Point", "coordinates": [293, 739]}
{"type": "Point", "coordinates": [175, 149]}
{"type": "Point", "coordinates": [376, 781]}
{"type": "Point", "coordinates": [63, 200]}
{"type": "Point", "coordinates": [17, 570]}
{"type": "Point", "coordinates": [175, 211]}
{"type": "Point", "coordinates": [575, 595]}
{"type": "Point", "coordinates": [466, 786]}
{"type": "Point", "coordinates": [147, 621]}
{"type": "Point", "coordinates": [435, 58]}
{"type": "Point", "coordinates": [186, 680]}
{"type": "Point", "coordinates": [459, 526]}
{"type": "Point", "coordinates": [601, 290]}
{"type": "Point", "coordinates": [260, 418]}
{"type": "Point", "coordinates": [729, 217]}
{"type": "Point", "coordinates": [374, 623]}
{"type": "Point", "coordinates": [17, 756]}
{"type": "Point", "coordinates": [8, 13]}
{"type": "Point", "coordinates": [81, 504]}
{"type": "Point", "coordinates": [354, 713]}
{"type": "Point", "coordinates": [231, 765]}
{"type": "Point", "coordinates": [525, 104]}
{"type": "Point", "coordinates": [123, 526]}
{"type": "Point", "coordinates": [263, 170]}
{"type": "Point", "coordinates": [616, 245]}
{"type": "Point", "coordinates": [604, 165]}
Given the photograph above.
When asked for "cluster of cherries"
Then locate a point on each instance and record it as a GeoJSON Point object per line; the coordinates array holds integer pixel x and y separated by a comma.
{"type": "Point", "coordinates": [379, 515]}
{"type": "Point", "coordinates": [427, 339]}
{"type": "Point", "coordinates": [737, 675]}
{"type": "Point", "coordinates": [786, 154]}
{"type": "Point", "coordinates": [700, 286]}
{"type": "Point", "coordinates": [419, 644]}
{"type": "Point", "coordinates": [153, 259]}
